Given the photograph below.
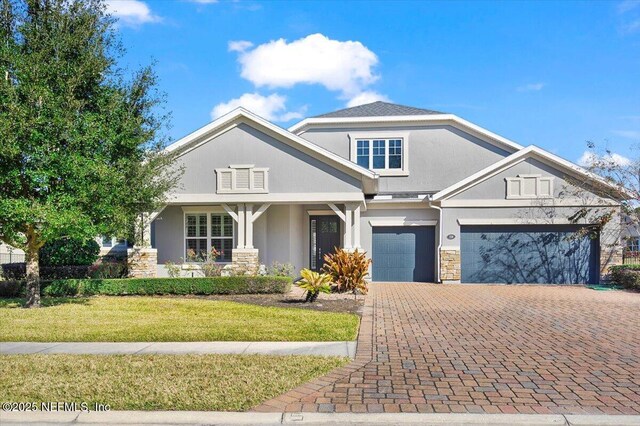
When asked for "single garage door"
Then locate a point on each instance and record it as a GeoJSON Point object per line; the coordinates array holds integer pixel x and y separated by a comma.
{"type": "Point", "coordinates": [403, 253]}
{"type": "Point", "coordinates": [543, 254]}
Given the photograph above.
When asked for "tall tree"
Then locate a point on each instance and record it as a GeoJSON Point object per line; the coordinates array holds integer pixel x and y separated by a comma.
{"type": "Point", "coordinates": [81, 138]}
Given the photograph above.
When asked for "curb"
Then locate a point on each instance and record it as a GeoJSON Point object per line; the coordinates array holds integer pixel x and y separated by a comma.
{"type": "Point", "coordinates": [237, 418]}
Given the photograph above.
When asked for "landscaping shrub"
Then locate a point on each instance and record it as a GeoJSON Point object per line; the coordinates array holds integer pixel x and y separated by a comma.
{"type": "Point", "coordinates": [348, 270]}
{"type": "Point", "coordinates": [18, 271]}
{"type": "Point", "coordinates": [11, 288]}
{"type": "Point", "coordinates": [278, 269]}
{"type": "Point", "coordinates": [165, 286]}
{"type": "Point", "coordinates": [104, 270]}
{"type": "Point", "coordinates": [627, 276]}
{"type": "Point", "coordinates": [69, 251]}
{"type": "Point", "coordinates": [314, 283]}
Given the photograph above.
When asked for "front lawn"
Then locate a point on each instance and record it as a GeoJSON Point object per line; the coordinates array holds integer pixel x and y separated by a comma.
{"type": "Point", "coordinates": [158, 382]}
{"type": "Point", "coordinates": [158, 319]}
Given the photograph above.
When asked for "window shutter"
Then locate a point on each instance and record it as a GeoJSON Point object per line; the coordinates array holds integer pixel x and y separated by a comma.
{"type": "Point", "coordinates": [225, 180]}
{"type": "Point", "coordinates": [242, 178]}
{"type": "Point", "coordinates": [258, 180]}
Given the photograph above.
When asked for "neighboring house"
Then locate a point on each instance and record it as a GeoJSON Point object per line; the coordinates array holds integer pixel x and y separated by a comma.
{"type": "Point", "coordinates": [428, 195]}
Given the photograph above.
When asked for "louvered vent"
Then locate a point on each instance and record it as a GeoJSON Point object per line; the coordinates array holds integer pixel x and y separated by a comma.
{"type": "Point", "coordinates": [243, 179]}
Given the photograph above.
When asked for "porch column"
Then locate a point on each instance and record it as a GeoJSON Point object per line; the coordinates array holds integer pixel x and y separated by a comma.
{"type": "Point", "coordinates": [348, 216]}
{"type": "Point", "coordinates": [356, 227]}
{"type": "Point", "coordinates": [249, 221]}
{"type": "Point", "coordinates": [242, 220]}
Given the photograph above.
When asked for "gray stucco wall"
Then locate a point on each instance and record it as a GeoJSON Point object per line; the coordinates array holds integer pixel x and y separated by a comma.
{"type": "Point", "coordinates": [439, 156]}
{"type": "Point", "coordinates": [495, 187]}
{"type": "Point", "coordinates": [289, 169]}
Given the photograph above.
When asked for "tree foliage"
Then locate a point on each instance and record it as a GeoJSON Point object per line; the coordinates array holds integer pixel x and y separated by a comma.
{"type": "Point", "coordinates": [81, 152]}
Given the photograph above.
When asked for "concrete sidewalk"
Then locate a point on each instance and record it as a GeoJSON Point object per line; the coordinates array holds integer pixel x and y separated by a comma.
{"type": "Point", "coordinates": [230, 418]}
{"type": "Point", "coordinates": [343, 349]}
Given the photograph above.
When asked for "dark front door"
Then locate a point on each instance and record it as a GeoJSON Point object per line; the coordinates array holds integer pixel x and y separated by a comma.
{"type": "Point", "coordinates": [325, 236]}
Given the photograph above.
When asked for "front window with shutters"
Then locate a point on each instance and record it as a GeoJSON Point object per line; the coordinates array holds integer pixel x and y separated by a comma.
{"type": "Point", "coordinates": [207, 235]}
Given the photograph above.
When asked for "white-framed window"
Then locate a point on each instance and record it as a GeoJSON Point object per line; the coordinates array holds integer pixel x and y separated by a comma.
{"type": "Point", "coordinates": [529, 186]}
{"type": "Point", "coordinates": [633, 244]}
{"type": "Point", "coordinates": [384, 152]}
{"type": "Point", "coordinates": [205, 232]}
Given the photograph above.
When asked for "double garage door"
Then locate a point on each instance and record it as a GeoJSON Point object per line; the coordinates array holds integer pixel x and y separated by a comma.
{"type": "Point", "coordinates": [536, 254]}
{"type": "Point", "coordinates": [403, 253]}
{"type": "Point", "coordinates": [541, 254]}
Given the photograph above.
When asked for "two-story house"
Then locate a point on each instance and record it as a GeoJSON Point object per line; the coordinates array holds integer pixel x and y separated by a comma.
{"type": "Point", "coordinates": [428, 195]}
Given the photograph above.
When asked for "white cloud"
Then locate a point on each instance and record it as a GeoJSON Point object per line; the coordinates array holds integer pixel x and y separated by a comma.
{"type": "Point", "coordinates": [628, 5]}
{"type": "Point", "coordinates": [531, 87]}
{"type": "Point", "coordinates": [272, 107]}
{"type": "Point", "coordinates": [588, 158]}
{"type": "Point", "coordinates": [131, 12]}
{"type": "Point", "coordinates": [631, 27]}
{"type": "Point", "coordinates": [239, 45]}
{"type": "Point", "coordinates": [366, 98]}
{"type": "Point", "coordinates": [343, 66]}
{"type": "Point", "coordinates": [629, 134]}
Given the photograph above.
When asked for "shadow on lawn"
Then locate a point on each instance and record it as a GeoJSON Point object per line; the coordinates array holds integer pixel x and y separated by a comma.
{"type": "Point", "coordinates": [45, 302]}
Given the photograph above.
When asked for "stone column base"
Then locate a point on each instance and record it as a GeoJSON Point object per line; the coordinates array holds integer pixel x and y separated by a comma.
{"type": "Point", "coordinates": [449, 265]}
{"type": "Point", "coordinates": [142, 262]}
{"type": "Point", "coordinates": [609, 256]}
{"type": "Point", "coordinates": [245, 261]}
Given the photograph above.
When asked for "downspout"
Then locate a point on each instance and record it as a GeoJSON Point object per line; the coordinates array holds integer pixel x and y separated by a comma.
{"type": "Point", "coordinates": [439, 240]}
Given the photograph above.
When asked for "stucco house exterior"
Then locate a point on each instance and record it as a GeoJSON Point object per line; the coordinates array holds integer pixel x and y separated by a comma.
{"type": "Point", "coordinates": [428, 195]}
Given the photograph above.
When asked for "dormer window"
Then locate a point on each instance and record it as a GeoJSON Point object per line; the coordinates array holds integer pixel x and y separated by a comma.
{"type": "Point", "coordinates": [386, 155]}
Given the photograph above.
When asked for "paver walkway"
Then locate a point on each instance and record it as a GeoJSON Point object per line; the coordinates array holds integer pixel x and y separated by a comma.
{"type": "Point", "coordinates": [485, 349]}
{"type": "Point", "coordinates": [344, 349]}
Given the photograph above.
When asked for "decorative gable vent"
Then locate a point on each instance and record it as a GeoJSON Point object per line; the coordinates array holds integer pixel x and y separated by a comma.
{"type": "Point", "coordinates": [242, 179]}
{"type": "Point", "coordinates": [529, 186]}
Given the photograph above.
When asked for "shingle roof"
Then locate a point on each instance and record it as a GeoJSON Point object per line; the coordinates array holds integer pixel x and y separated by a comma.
{"type": "Point", "coordinates": [377, 109]}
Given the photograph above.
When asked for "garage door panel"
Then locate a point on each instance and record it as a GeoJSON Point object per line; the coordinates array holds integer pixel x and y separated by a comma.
{"type": "Point", "coordinates": [528, 254]}
{"type": "Point", "coordinates": [403, 253]}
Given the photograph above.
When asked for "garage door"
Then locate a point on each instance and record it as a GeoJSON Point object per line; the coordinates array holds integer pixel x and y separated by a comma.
{"type": "Point", "coordinates": [403, 253]}
{"type": "Point", "coordinates": [553, 254]}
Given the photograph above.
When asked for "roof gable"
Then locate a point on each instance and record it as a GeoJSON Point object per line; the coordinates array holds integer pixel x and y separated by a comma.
{"type": "Point", "coordinates": [240, 115]}
{"type": "Point", "coordinates": [531, 151]}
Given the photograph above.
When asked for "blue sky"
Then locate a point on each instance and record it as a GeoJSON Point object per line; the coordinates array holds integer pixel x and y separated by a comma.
{"type": "Point", "coordinates": [554, 74]}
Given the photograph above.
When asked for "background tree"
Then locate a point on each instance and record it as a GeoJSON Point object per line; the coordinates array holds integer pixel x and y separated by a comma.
{"type": "Point", "coordinates": [81, 144]}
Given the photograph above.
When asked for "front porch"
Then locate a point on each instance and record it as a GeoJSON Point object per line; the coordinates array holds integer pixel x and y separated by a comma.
{"type": "Point", "coordinates": [249, 234]}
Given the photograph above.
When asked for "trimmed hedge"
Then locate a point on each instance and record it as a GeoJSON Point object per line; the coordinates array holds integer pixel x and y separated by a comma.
{"type": "Point", "coordinates": [627, 276]}
{"type": "Point", "coordinates": [166, 286]}
{"type": "Point", "coordinates": [18, 271]}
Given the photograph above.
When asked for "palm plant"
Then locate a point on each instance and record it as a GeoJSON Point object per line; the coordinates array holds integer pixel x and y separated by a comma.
{"type": "Point", "coordinates": [348, 270]}
{"type": "Point", "coordinates": [314, 283]}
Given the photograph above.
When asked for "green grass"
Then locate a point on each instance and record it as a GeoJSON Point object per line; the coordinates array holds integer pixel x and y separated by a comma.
{"type": "Point", "coordinates": [157, 382]}
{"type": "Point", "coordinates": [156, 319]}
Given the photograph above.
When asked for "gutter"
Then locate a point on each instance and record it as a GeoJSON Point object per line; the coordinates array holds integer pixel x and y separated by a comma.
{"type": "Point", "coordinates": [438, 279]}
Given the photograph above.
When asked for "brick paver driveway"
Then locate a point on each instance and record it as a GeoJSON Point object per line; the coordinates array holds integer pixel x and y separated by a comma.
{"type": "Point", "coordinates": [484, 348]}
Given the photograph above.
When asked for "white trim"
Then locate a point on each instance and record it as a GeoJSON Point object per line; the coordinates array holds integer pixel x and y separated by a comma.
{"type": "Point", "coordinates": [528, 202]}
{"type": "Point", "coordinates": [321, 212]}
{"type": "Point", "coordinates": [229, 211]}
{"type": "Point", "coordinates": [238, 115]}
{"type": "Point", "coordinates": [259, 212]}
{"type": "Point", "coordinates": [391, 205]}
{"type": "Point", "coordinates": [517, 221]}
{"type": "Point", "coordinates": [337, 211]}
{"type": "Point", "coordinates": [203, 209]}
{"type": "Point", "coordinates": [512, 160]}
{"type": "Point", "coordinates": [356, 226]}
{"type": "Point", "coordinates": [282, 197]}
{"type": "Point", "coordinates": [450, 248]}
{"type": "Point", "coordinates": [402, 222]}
{"type": "Point", "coordinates": [241, 166]}
{"type": "Point", "coordinates": [446, 119]}
{"type": "Point", "coordinates": [386, 135]}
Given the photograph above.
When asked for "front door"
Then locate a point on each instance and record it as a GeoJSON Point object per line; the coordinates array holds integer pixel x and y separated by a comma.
{"type": "Point", "coordinates": [325, 236]}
